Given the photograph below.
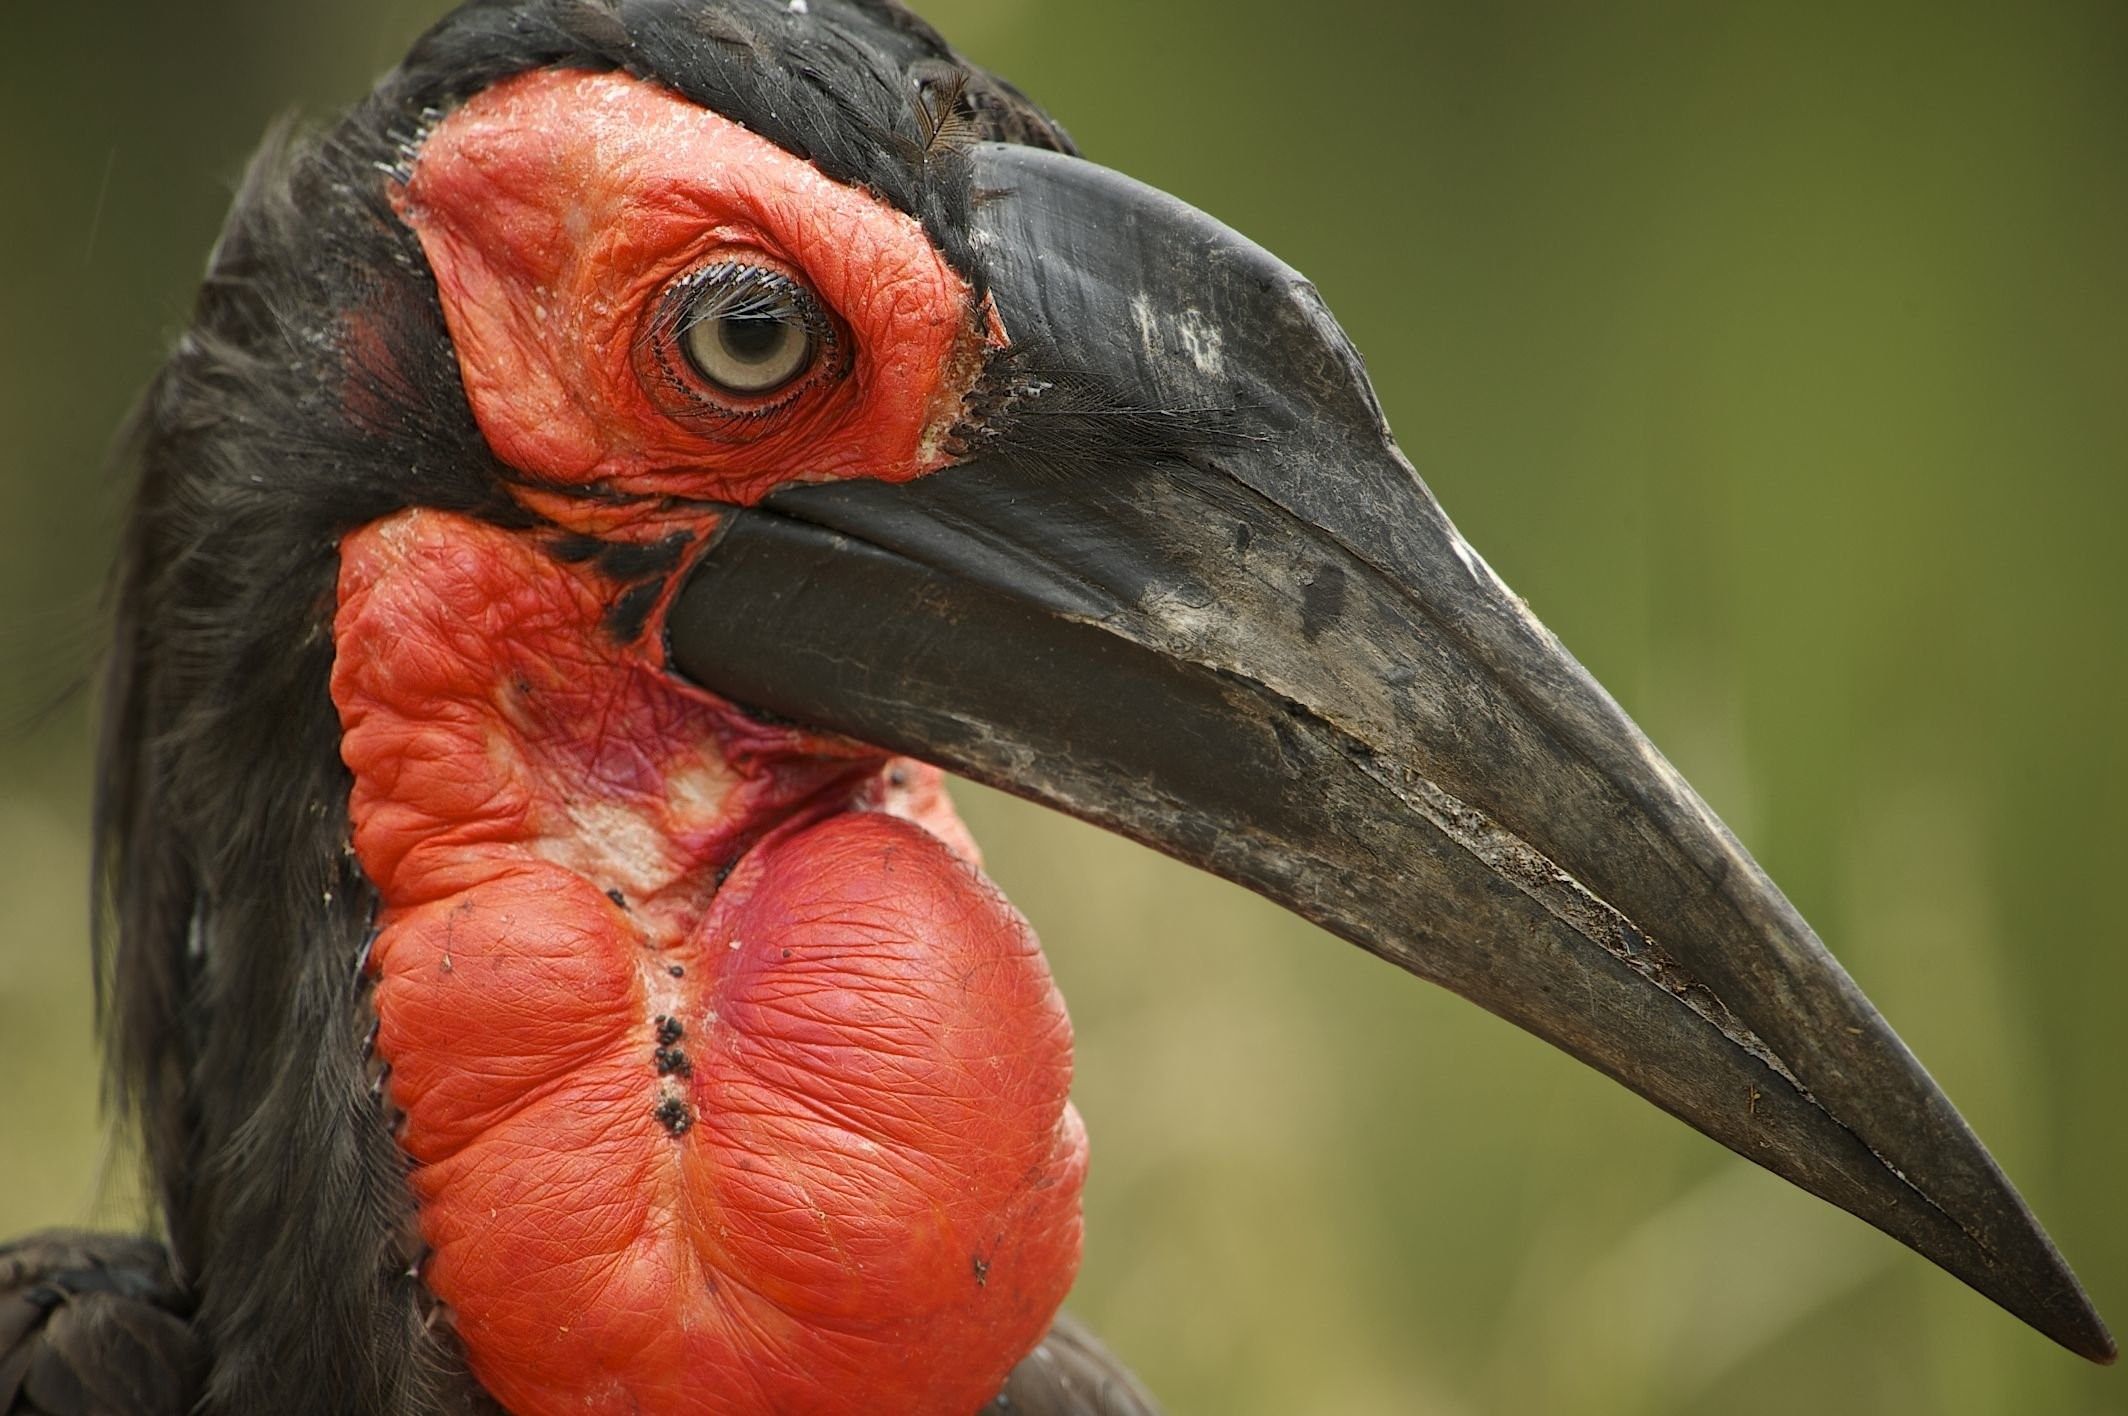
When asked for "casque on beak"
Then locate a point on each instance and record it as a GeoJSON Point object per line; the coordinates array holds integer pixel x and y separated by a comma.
{"type": "Point", "coordinates": [1186, 587]}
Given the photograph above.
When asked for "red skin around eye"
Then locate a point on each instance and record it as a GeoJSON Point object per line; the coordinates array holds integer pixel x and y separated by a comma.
{"type": "Point", "coordinates": [558, 206]}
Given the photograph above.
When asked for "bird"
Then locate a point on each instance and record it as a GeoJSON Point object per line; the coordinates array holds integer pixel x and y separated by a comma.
{"type": "Point", "coordinates": [606, 477]}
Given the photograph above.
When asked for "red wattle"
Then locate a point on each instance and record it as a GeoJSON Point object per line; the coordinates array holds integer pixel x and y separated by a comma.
{"type": "Point", "coordinates": [795, 1143]}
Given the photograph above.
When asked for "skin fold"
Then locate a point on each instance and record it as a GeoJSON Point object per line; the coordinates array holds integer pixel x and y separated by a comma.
{"type": "Point", "coordinates": [741, 1089]}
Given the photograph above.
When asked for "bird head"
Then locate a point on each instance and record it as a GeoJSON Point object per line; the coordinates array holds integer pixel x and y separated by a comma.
{"type": "Point", "coordinates": [604, 463]}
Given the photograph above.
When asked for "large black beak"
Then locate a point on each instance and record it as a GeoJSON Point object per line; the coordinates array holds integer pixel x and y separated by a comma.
{"type": "Point", "coordinates": [1187, 587]}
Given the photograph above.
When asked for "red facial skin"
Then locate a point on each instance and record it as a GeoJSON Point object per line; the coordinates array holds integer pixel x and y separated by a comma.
{"type": "Point", "coordinates": [732, 1086]}
{"type": "Point", "coordinates": [557, 207]}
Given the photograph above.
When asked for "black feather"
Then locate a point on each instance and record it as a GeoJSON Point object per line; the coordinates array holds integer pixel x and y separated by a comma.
{"type": "Point", "coordinates": [93, 1324]}
{"type": "Point", "coordinates": [1071, 1374]}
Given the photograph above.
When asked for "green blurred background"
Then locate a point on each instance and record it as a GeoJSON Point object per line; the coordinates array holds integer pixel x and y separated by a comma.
{"type": "Point", "coordinates": [1778, 354]}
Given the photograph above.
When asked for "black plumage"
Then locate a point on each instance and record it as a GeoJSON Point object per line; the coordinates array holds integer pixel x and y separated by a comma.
{"type": "Point", "coordinates": [94, 1323]}
{"type": "Point", "coordinates": [230, 982]}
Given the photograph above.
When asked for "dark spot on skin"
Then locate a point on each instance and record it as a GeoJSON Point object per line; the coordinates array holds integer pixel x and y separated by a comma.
{"type": "Point", "coordinates": [575, 549]}
{"type": "Point", "coordinates": [676, 971]}
{"type": "Point", "coordinates": [626, 617]}
{"type": "Point", "coordinates": [786, 953]}
{"type": "Point", "coordinates": [621, 560]}
{"type": "Point", "coordinates": [1322, 601]}
{"type": "Point", "coordinates": [625, 560]}
{"type": "Point", "coordinates": [520, 685]}
{"type": "Point", "coordinates": [673, 1062]}
{"type": "Point", "coordinates": [673, 1115]}
{"type": "Point", "coordinates": [669, 1031]}
{"type": "Point", "coordinates": [982, 1270]}
{"type": "Point", "coordinates": [898, 778]}
{"type": "Point", "coordinates": [618, 898]}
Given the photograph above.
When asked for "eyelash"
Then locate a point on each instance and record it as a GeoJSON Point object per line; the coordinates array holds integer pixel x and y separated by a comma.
{"type": "Point", "coordinates": [721, 290]}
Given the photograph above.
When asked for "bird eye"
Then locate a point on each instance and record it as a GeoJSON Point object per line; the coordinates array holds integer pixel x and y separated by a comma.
{"type": "Point", "coordinates": [749, 331]}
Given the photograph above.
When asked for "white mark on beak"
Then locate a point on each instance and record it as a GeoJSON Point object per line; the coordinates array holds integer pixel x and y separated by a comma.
{"type": "Point", "coordinates": [1203, 342]}
{"type": "Point", "coordinates": [1472, 562]}
{"type": "Point", "coordinates": [1148, 325]}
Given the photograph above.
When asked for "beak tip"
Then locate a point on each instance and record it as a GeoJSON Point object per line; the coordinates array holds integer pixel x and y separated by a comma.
{"type": "Point", "coordinates": [2098, 1344]}
{"type": "Point", "coordinates": [2073, 1321]}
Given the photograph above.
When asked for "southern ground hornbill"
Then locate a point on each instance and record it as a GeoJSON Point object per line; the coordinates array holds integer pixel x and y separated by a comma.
{"type": "Point", "coordinates": [579, 455]}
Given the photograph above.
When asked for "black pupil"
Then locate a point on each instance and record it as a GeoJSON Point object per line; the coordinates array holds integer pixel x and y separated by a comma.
{"type": "Point", "coordinates": [753, 340]}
